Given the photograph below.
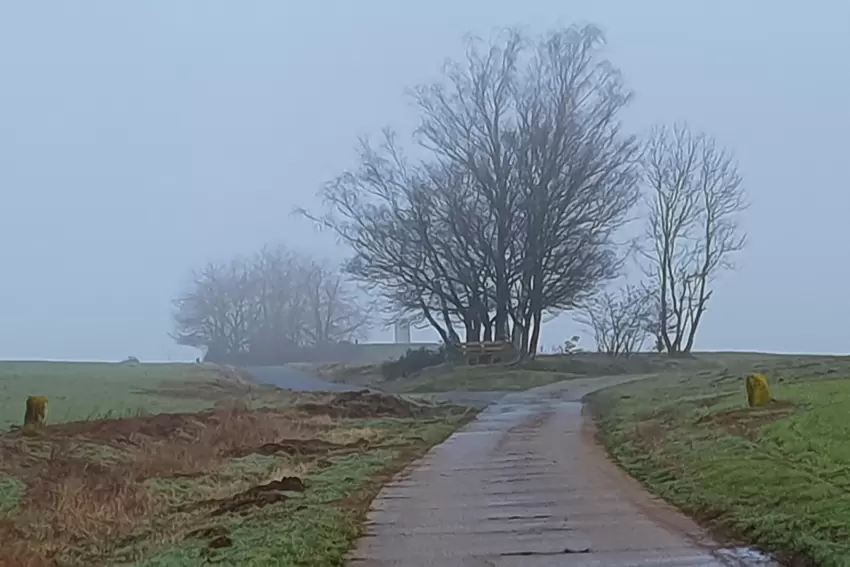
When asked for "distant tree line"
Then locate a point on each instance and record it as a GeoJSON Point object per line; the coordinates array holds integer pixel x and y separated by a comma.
{"type": "Point", "coordinates": [514, 209]}
{"type": "Point", "coordinates": [274, 307]}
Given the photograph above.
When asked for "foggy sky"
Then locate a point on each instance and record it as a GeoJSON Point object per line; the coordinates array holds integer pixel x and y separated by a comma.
{"type": "Point", "coordinates": [141, 139]}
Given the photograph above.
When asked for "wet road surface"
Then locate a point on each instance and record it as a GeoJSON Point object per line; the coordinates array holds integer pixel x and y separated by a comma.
{"type": "Point", "coordinates": [526, 485]}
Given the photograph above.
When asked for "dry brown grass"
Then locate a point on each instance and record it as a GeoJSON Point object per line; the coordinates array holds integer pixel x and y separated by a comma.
{"type": "Point", "coordinates": [71, 502]}
{"type": "Point", "coordinates": [85, 490]}
{"type": "Point", "coordinates": [88, 506]}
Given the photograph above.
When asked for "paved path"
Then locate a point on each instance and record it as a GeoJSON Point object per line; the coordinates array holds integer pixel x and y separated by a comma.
{"type": "Point", "coordinates": [525, 485]}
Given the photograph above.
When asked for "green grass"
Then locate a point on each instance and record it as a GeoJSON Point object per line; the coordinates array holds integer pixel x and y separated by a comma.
{"type": "Point", "coordinates": [479, 379]}
{"type": "Point", "coordinates": [252, 469]}
{"type": "Point", "coordinates": [11, 492]}
{"type": "Point", "coordinates": [543, 370]}
{"type": "Point", "coordinates": [777, 477]}
{"type": "Point", "coordinates": [310, 530]}
{"type": "Point", "coordinates": [153, 522]}
{"type": "Point", "coordinates": [314, 529]}
{"type": "Point", "coordinates": [80, 390]}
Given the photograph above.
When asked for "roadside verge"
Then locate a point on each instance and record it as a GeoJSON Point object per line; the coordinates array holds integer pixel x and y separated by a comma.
{"type": "Point", "coordinates": [776, 477]}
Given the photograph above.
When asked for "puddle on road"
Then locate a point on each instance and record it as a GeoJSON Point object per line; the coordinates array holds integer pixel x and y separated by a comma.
{"type": "Point", "coordinates": [570, 408]}
{"type": "Point", "coordinates": [747, 557]}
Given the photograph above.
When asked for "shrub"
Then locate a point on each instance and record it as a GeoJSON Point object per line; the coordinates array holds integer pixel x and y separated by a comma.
{"type": "Point", "coordinates": [413, 361]}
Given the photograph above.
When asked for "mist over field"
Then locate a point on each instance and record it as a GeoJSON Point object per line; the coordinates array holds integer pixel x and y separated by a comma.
{"type": "Point", "coordinates": [141, 141]}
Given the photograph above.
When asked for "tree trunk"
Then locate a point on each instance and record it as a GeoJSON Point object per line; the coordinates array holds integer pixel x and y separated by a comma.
{"type": "Point", "coordinates": [534, 344]}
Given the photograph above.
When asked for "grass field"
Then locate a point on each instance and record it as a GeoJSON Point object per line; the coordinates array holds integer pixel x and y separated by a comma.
{"type": "Point", "coordinates": [778, 476]}
{"type": "Point", "coordinates": [545, 369]}
{"type": "Point", "coordinates": [78, 391]}
{"type": "Point", "coordinates": [172, 465]}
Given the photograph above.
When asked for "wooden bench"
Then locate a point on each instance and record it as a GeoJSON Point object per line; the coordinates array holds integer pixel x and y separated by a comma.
{"type": "Point", "coordinates": [489, 352]}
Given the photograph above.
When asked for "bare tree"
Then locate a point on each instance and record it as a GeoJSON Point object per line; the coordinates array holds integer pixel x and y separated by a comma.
{"type": "Point", "coordinates": [621, 321]}
{"type": "Point", "coordinates": [695, 200]}
{"type": "Point", "coordinates": [336, 315]}
{"type": "Point", "coordinates": [216, 311]}
{"type": "Point", "coordinates": [273, 307]}
{"type": "Point", "coordinates": [399, 220]}
{"type": "Point", "coordinates": [534, 124]}
{"type": "Point", "coordinates": [510, 217]}
{"type": "Point", "coordinates": [281, 307]}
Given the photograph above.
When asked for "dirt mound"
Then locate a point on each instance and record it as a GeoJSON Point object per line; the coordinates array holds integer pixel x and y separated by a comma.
{"type": "Point", "coordinates": [746, 422]}
{"type": "Point", "coordinates": [131, 429]}
{"type": "Point", "coordinates": [364, 403]}
{"type": "Point", "coordinates": [255, 497]}
{"type": "Point", "coordinates": [260, 496]}
{"type": "Point", "coordinates": [192, 427]}
{"type": "Point", "coordinates": [296, 447]}
{"type": "Point", "coordinates": [179, 427]}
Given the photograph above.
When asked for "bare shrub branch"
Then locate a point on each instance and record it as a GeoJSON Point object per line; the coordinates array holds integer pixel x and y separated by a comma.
{"type": "Point", "coordinates": [621, 321]}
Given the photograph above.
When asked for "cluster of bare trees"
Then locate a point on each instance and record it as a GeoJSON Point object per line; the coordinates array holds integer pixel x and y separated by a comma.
{"type": "Point", "coordinates": [693, 199]}
{"type": "Point", "coordinates": [510, 212]}
{"type": "Point", "coordinates": [523, 179]}
{"type": "Point", "coordinates": [274, 307]}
